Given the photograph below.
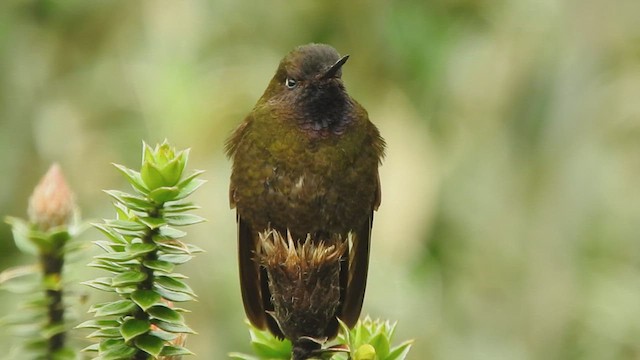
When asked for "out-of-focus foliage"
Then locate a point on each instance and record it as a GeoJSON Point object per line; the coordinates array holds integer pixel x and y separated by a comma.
{"type": "Point", "coordinates": [509, 224]}
{"type": "Point", "coordinates": [39, 325]}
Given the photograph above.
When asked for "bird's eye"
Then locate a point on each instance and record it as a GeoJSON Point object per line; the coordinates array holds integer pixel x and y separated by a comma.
{"type": "Point", "coordinates": [290, 83]}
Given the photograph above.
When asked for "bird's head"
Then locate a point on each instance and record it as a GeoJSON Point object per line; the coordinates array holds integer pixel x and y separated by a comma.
{"type": "Point", "coordinates": [308, 85]}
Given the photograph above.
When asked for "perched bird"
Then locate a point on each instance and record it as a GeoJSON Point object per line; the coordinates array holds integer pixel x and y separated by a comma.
{"type": "Point", "coordinates": [305, 163]}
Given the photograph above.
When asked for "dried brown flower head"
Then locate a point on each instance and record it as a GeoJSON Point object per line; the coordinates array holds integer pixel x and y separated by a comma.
{"type": "Point", "coordinates": [304, 280]}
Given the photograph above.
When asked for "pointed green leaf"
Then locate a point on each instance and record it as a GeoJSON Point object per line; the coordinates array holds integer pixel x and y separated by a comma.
{"type": "Point", "coordinates": [128, 278]}
{"type": "Point", "coordinates": [111, 247]}
{"type": "Point", "coordinates": [134, 178]}
{"type": "Point", "coordinates": [275, 350]}
{"type": "Point", "coordinates": [164, 313]}
{"type": "Point", "coordinates": [366, 352]}
{"type": "Point", "coordinates": [174, 285]}
{"type": "Point", "coordinates": [193, 249]}
{"type": "Point", "coordinates": [149, 344]}
{"type": "Point", "coordinates": [120, 307]}
{"type": "Point", "coordinates": [177, 276]}
{"type": "Point", "coordinates": [183, 219]}
{"type": "Point", "coordinates": [175, 259]}
{"type": "Point", "coordinates": [21, 231]}
{"type": "Point", "coordinates": [152, 176]}
{"type": "Point", "coordinates": [172, 328]}
{"type": "Point", "coordinates": [102, 283]}
{"type": "Point", "coordinates": [93, 308]}
{"type": "Point", "coordinates": [122, 212]}
{"type": "Point", "coordinates": [51, 330]}
{"type": "Point", "coordinates": [172, 295]}
{"type": "Point", "coordinates": [171, 350]}
{"type": "Point", "coordinates": [133, 327]}
{"type": "Point", "coordinates": [381, 344]}
{"type": "Point", "coordinates": [268, 346]}
{"type": "Point", "coordinates": [189, 188]}
{"type": "Point", "coordinates": [58, 236]}
{"type": "Point", "coordinates": [178, 247]}
{"type": "Point", "coordinates": [190, 178]}
{"type": "Point", "coordinates": [400, 352]}
{"type": "Point", "coordinates": [20, 279]}
{"type": "Point", "coordinates": [152, 223]}
{"type": "Point", "coordinates": [147, 153]}
{"type": "Point", "coordinates": [97, 324]}
{"type": "Point", "coordinates": [118, 353]}
{"type": "Point", "coordinates": [110, 344]}
{"type": "Point", "coordinates": [168, 232]}
{"type": "Point", "coordinates": [158, 265]}
{"type": "Point", "coordinates": [116, 257]}
{"type": "Point", "coordinates": [42, 242]}
{"type": "Point", "coordinates": [173, 247]}
{"type": "Point", "coordinates": [163, 194]}
{"type": "Point", "coordinates": [106, 333]}
{"type": "Point", "coordinates": [125, 225]}
{"type": "Point", "coordinates": [92, 347]}
{"type": "Point", "coordinates": [125, 291]}
{"type": "Point", "coordinates": [161, 334]}
{"type": "Point", "coordinates": [145, 298]}
{"type": "Point", "coordinates": [174, 208]}
{"type": "Point", "coordinates": [172, 171]}
{"type": "Point", "coordinates": [139, 249]}
{"type": "Point", "coordinates": [131, 201]}
{"type": "Point", "coordinates": [107, 265]}
{"type": "Point", "coordinates": [390, 328]}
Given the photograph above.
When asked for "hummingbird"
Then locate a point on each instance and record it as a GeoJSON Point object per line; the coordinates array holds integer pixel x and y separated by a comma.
{"type": "Point", "coordinates": [305, 163]}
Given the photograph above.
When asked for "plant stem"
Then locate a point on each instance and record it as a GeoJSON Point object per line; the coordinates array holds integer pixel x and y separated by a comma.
{"type": "Point", "coordinates": [147, 284]}
{"type": "Point", "coordinates": [52, 264]}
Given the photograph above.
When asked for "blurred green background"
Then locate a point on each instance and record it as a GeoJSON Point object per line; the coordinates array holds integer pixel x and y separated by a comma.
{"type": "Point", "coordinates": [510, 220]}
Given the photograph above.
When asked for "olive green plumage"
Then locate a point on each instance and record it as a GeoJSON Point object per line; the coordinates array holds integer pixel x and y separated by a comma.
{"type": "Point", "coordinates": [305, 160]}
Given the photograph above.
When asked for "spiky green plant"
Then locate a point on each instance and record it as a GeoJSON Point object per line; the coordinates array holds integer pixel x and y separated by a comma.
{"type": "Point", "coordinates": [142, 249]}
{"type": "Point", "coordinates": [372, 339]}
{"type": "Point", "coordinates": [368, 340]}
{"type": "Point", "coordinates": [47, 234]}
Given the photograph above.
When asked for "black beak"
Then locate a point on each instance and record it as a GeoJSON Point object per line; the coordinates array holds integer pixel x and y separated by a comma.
{"type": "Point", "coordinates": [334, 70]}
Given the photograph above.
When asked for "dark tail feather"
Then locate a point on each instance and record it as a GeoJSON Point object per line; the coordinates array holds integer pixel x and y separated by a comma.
{"type": "Point", "coordinates": [358, 268]}
{"type": "Point", "coordinates": [333, 327]}
{"type": "Point", "coordinates": [250, 284]}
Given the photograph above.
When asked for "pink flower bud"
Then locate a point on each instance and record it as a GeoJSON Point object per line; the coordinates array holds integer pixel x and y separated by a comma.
{"type": "Point", "coordinates": [52, 202]}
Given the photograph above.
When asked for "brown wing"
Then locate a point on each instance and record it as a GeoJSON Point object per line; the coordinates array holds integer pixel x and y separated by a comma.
{"type": "Point", "coordinates": [250, 284]}
{"type": "Point", "coordinates": [231, 144]}
{"type": "Point", "coordinates": [358, 267]}
{"type": "Point", "coordinates": [230, 148]}
{"type": "Point", "coordinates": [247, 246]}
